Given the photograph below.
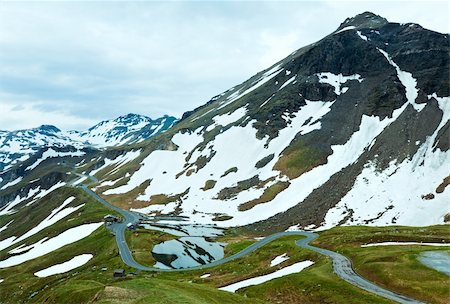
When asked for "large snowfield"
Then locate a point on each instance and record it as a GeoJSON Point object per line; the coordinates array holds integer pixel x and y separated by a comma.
{"type": "Point", "coordinates": [163, 166]}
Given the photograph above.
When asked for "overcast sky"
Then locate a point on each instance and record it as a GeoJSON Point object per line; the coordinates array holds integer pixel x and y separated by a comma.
{"type": "Point", "coordinates": [73, 64]}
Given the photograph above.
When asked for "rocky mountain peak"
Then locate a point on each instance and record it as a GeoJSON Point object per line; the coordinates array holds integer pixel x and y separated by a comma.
{"type": "Point", "coordinates": [132, 117]}
{"type": "Point", "coordinates": [364, 20]}
{"type": "Point", "coordinates": [124, 120]}
{"type": "Point", "coordinates": [48, 128]}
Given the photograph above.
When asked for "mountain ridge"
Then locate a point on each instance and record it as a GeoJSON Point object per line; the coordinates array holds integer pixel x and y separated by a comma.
{"type": "Point", "coordinates": [19, 145]}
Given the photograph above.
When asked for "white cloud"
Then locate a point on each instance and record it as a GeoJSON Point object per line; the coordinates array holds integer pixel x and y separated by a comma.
{"type": "Point", "coordinates": [23, 114]}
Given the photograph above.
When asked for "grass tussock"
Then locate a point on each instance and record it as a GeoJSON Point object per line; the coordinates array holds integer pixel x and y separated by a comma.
{"type": "Point", "coordinates": [269, 194]}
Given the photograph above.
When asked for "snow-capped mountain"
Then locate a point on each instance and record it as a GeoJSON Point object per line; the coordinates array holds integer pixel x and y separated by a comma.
{"type": "Point", "coordinates": [352, 129]}
{"type": "Point", "coordinates": [126, 129]}
{"type": "Point", "coordinates": [18, 146]}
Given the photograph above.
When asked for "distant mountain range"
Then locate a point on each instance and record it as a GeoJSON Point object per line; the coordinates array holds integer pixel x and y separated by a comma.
{"type": "Point", "coordinates": [18, 146]}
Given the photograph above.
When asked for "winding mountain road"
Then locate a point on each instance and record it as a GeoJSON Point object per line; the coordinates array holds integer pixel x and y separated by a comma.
{"type": "Point", "coordinates": [342, 266]}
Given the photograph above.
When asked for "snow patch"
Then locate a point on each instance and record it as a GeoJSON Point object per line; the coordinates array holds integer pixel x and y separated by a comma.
{"type": "Point", "coordinates": [158, 162]}
{"type": "Point", "coordinates": [164, 209]}
{"type": "Point", "coordinates": [406, 244]}
{"type": "Point", "coordinates": [228, 118]}
{"type": "Point", "coordinates": [265, 102]}
{"type": "Point", "coordinates": [294, 268]}
{"type": "Point", "coordinates": [118, 162]}
{"type": "Point", "coordinates": [337, 80]}
{"type": "Point", "coordinates": [279, 259]}
{"type": "Point", "coordinates": [350, 27]}
{"type": "Point", "coordinates": [408, 81]}
{"type": "Point", "coordinates": [69, 265]}
{"type": "Point", "coordinates": [12, 183]}
{"type": "Point", "coordinates": [3, 228]}
{"type": "Point", "coordinates": [287, 82]}
{"type": "Point", "coordinates": [46, 245]}
{"type": "Point", "coordinates": [8, 209]}
{"type": "Point", "coordinates": [56, 215]}
{"type": "Point", "coordinates": [262, 80]}
{"type": "Point", "coordinates": [362, 36]}
{"type": "Point", "coordinates": [6, 242]}
{"type": "Point", "coordinates": [43, 193]}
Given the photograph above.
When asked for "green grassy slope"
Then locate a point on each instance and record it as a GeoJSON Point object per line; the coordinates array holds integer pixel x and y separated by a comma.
{"type": "Point", "coordinates": [394, 267]}
{"type": "Point", "coordinates": [19, 281]}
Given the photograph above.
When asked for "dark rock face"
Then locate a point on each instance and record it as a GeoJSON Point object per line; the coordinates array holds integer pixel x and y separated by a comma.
{"type": "Point", "coordinates": [364, 20]}
{"type": "Point", "coordinates": [397, 143]}
{"type": "Point", "coordinates": [422, 52]}
{"type": "Point", "coordinates": [45, 183]}
{"type": "Point", "coordinates": [49, 129]}
{"type": "Point", "coordinates": [443, 139]}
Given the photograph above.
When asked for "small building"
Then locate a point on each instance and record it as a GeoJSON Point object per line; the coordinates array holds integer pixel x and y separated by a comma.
{"type": "Point", "coordinates": [119, 273]}
{"type": "Point", "coordinates": [131, 226]}
{"type": "Point", "coordinates": [111, 219]}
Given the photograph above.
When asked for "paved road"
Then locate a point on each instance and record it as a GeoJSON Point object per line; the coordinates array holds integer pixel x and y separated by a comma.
{"type": "Point", "coordinates": [341, 265]}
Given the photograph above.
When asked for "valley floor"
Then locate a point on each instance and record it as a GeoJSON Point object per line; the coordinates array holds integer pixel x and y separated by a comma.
{"type": "Point", "coordinates": [393, 267]}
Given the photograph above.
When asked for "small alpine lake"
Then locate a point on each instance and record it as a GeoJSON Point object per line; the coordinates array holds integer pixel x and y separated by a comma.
{"type": "Point", "coordinates": [438, 259]}
{"type": "Point", "coordinates": [194, 246]}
